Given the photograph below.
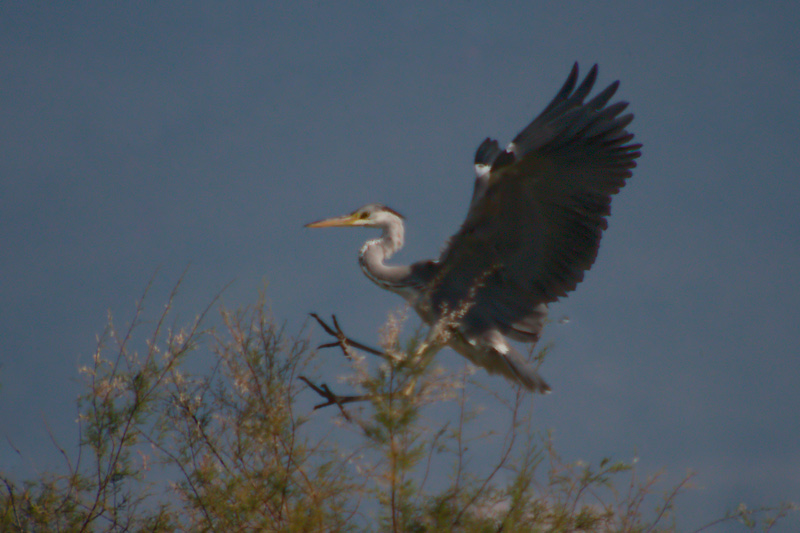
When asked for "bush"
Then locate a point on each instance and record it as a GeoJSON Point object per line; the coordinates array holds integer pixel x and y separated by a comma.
{"type": "Point", "coordinates": [237, 445]}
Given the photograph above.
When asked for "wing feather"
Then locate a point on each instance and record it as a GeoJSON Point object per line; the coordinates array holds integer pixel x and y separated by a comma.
{"type": "Point", "coordinates": [535, 226]}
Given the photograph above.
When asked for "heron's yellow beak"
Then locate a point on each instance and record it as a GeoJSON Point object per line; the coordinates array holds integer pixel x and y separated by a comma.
{"type": "Point", "coordinates": [346, 220]}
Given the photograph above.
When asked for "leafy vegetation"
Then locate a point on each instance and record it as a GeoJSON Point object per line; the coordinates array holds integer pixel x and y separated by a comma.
{"type": "Point", "coordinates": [238, 445]}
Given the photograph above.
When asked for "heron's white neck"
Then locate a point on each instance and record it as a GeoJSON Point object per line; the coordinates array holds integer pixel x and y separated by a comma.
{"type": "Point", "coordinates": [372, 255]}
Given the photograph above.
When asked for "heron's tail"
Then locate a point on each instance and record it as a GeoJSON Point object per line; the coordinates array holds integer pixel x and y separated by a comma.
{"type": "Point", "coordinates": [492, 352]}
{"type": "Point", "coordinates": [517, 369]}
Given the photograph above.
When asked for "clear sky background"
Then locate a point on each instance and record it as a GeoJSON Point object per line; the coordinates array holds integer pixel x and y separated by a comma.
{"type": "Point", "coordinates": [136, 138]}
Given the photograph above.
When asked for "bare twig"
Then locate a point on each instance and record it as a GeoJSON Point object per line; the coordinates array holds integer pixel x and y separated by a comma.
{"type": "Point", "coordinates": [12, 502]}
{"type": "Point", "coordinates": [333, 399]}
{"type": "Point", "coordinates": [345, 343]}
{"type": "Point", "coordinates": [510, 440]}
{"type": "Point", "coordinates": [669, 501]}
{"type": "Point", "coordinates": [341, 339]}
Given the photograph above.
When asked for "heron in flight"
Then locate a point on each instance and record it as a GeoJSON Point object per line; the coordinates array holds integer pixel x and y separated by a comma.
{"type": "Point", "coordinates": [532, 229]}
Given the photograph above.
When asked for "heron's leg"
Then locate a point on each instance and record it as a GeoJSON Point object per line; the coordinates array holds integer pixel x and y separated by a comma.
{"type": "Point", "coordinates": [438, 336]}
{"type": "Point", "coordinates": [431, 344]}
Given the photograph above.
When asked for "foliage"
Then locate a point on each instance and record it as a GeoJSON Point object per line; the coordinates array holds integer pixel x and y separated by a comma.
{"type": "Point", "coordinates": [237, 446]}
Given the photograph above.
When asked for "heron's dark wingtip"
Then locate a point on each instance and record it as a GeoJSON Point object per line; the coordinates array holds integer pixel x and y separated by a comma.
{"type": "Point", "coordinates": [487, 152]}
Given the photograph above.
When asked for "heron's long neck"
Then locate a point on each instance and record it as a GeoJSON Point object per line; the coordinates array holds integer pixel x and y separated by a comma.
{"type": "Point", "coordinates": [375, 252]}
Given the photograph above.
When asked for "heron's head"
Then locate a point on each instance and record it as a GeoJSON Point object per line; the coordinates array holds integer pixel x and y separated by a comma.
{"type": "Point", "coordinates": [371, 216]}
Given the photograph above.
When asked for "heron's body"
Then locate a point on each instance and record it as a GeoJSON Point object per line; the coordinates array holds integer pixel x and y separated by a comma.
{"type": "Point", "coordinates": [533, 227]}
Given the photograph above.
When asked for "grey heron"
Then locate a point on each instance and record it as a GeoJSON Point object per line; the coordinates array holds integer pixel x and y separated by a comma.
{"type": "Point", "coordinates": [533, 227]}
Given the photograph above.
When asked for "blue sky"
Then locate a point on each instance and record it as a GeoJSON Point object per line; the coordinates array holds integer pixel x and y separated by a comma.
{"type": "Point", "coordinates": [141, 139]}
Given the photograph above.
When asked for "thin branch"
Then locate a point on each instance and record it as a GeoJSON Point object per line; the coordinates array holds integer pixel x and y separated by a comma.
{"type": "Point", "coordinates": [511, 437]}
{"type": "Point", "coordinates": [670, 499]}
{"type": "Point", "coordinates": [333, 399]}
{"type": "Point", "coordinates": [10, 488]}
{"type": "Point", "coordinates": [342, 340]}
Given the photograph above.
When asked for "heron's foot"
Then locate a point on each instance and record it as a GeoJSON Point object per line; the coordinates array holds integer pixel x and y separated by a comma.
{"type": "Point", "coordinates": [342, 341]}
{"type": "Point", "coordinates": [332, 398]}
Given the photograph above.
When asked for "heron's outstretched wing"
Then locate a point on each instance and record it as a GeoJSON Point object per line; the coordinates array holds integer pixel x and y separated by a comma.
{"type": "Point", "coordinates": [538, 212]}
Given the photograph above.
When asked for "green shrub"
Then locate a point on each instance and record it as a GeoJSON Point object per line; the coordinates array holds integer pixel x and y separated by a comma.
{"type": "Point", "coordinates": [167, 445]}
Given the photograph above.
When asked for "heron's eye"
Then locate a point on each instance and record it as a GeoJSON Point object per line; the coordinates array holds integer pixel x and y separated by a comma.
{"type": "Point", "coordinates": [363, 216]}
